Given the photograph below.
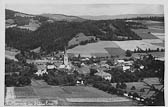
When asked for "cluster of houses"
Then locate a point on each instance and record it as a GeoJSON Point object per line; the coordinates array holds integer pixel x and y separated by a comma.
{"type": "Point", "coordinates": [45, 65]}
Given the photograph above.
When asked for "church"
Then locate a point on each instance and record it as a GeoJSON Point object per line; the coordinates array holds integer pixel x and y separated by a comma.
{"type": "Point", "coordinates": [66, 64]}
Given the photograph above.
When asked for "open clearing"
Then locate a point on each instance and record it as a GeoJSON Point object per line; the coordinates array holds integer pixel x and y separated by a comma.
{"type": "Point", "coordinates": [114, 48]}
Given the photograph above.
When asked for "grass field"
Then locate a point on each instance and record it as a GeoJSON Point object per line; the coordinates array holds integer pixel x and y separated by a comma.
{"type": "Point", "coordinates": [158, 44]}
{"type": "Point", "coordinates": [161, 36]}
{"type": "Point", "coordinates": [81, 95]}
{"type": "Point", "coordinates": [24, 92]}
{"type": "Point", "coordinates": [154, 28]}
{"type": "Point", "coordinates": [71, 92]}
{"type": "Point", "coordinates": [93, 48]}
{"type": "Point", "coordinates": [115, 48]}
{"type": "Point", "coordinates": [143, 33]}
{"type": "Point", "coordinates": [115, 51]}
{"type": "Point", "coordinates": [151, 23]}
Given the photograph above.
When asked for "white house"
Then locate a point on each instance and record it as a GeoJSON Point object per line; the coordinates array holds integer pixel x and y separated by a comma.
{"type": "Point", "coordinates": [49, 67]}
{"type": "Point", "coordinates": [125, 67]}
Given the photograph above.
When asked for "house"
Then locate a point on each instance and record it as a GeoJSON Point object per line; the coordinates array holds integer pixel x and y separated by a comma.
{"type": "Point", "coordinates": [50, 67]}
{"type": "Point", "coordinates": [104, 75]}
{"type": "Point", "coordinates": [79, 81]}
{"type": "Point", "coordinates": [40, 72]}
{"type": "Point", "coordinates": [119, 61]}
{"type": "Point", "coordinates": [128, 63]}
{"type": "Point", "coordinates": [125, 67]}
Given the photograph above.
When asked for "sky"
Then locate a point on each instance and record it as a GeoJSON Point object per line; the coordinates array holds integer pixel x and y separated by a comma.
{"type": "Point", "coordinates": [82, 9]}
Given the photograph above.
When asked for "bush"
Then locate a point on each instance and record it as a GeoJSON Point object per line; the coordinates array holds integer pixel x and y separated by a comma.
{"type": "Point", "coordinates": [123, 86]}
{"type": "Point", "coordinates": [128, 53]}
{"type": "Point", "coordinates": [22, 81]}
{"type": "Point", "coordinates": [133, 88]}
{"type": "Point", "coordinates": [135, 95]}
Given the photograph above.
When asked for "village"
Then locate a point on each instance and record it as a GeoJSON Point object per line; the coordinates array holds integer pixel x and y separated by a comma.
{"type": "Point", "coordinates": [100, 67]}
{"type": "Point", "coordinates": [89, 56]}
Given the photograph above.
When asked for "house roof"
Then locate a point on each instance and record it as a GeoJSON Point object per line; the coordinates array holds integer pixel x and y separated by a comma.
{"type": "Point", "coordinates": [102, 74]}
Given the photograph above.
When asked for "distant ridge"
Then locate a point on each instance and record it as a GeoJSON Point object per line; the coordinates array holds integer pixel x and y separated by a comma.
{"type": "Point", "coordinates": [107, 17]}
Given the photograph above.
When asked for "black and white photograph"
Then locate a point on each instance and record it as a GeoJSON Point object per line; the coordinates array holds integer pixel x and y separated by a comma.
{"type": "Point", "coordinates": [74, 54]}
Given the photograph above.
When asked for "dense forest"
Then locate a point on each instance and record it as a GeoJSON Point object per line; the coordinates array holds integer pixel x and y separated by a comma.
{"type": "Point", "coordinates": [54, 36]}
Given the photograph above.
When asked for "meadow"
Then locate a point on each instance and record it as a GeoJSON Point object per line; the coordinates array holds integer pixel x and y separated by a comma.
{"type": "Point", "coordinates": [115, 48]}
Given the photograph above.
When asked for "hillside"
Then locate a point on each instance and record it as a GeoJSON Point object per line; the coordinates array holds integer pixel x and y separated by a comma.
{"type": "Point", "coordinates": [81, 38]}
{"type": "Point", "coordinates": [61, 17]}
{"type": "Point", "coordinates": [52, 35]}
{"type": "Point", "coordinates": [22, 20]}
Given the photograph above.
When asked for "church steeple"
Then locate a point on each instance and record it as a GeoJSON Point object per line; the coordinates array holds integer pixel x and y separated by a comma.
{"type": "Point", "coordinates": [65, 61]}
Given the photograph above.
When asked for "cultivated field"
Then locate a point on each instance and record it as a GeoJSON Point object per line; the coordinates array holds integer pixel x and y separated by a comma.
{"type": "Point", "coordinates": [155, 30]}
{"type": "Point", "coordinates": [115, 51]}
{"type": "Point", "coordinates": [114, 48]}
{"type": "Point", "coordinates": [144, 33]}
{"type": "Point", "coordinates": [71, 95]}
{"type": "Point", "coordinates": [24, 92]}
{"type": "Point", "coordinates": [93, 48]}
{"type": "Point", "coordinates": [161, 36]}
{"type": "Point", "coordinates": [71, 92]}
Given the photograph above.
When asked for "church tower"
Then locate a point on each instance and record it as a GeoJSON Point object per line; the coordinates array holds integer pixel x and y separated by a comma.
{"type": "Point", "coordinates": [65, 61]}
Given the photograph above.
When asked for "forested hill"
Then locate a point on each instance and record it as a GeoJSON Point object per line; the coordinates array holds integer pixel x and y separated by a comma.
{"type": "Point", "coordinates": [54, 35]}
